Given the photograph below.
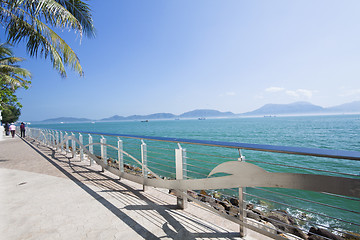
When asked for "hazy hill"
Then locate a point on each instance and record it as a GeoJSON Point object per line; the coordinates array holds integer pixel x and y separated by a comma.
{"type": "Point", "coordinates": [205, 113]}
{"type": "Point", "coordinates": [192, 114]}
{"type": "Point", "coordinates": [140, 117]}
{"type": "Point", "coordinates": [292, 108]}
{"type": "Point", "coordinates": [352, 107]}
{"type": "Point", "coordinates": [67, 119]}
{"type": "Point", "coordinates": [113, 118]}
{"type": "Point", "coordinates": [160, 116]}
{"type": "Point", "coordinates": [296, 108]}
{"type": "Point", "coordinates": [151, 116]}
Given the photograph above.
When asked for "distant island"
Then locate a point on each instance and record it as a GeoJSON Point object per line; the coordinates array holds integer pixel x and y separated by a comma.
{"type": "Point", "coordinates": [296, 108]}
{"type": "Point", "coordinates": [303, 108]}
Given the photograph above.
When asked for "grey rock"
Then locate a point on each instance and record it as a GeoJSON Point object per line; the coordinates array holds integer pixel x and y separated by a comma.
{"type": "Point", "coordinates": [284, 222]}
{"type": "Point", "coordinates": [322, 232]}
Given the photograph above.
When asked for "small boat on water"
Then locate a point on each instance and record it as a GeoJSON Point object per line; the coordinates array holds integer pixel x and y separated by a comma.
{"type": "Point", "coordinates": [145, 121]}
{"type": "Point", "coordinates": [201, 118]}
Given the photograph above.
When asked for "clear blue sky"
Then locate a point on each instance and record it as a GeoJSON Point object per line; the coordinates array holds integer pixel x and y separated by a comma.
{"type": "Point", "coordinates": [177, 56]}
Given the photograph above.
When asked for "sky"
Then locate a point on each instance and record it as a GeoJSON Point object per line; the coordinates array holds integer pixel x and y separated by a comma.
{"type": "Point", "coordinates": [177, 56]}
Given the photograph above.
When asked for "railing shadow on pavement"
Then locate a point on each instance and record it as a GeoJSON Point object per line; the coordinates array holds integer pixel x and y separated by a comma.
{"type": "Point", "coordinates": [126, 195]}
{"type": "Point", "coordinates": [192, 173]}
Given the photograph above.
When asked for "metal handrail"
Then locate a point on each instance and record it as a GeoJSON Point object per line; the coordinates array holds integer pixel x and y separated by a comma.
{"type": "Point", "coordinates": [140, 176]}
{"type": "Point", "coordinates": [316, 152]}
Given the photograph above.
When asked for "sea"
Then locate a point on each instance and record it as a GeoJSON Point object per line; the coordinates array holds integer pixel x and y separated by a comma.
{"type": "Point", "coordinates": [340, 132]}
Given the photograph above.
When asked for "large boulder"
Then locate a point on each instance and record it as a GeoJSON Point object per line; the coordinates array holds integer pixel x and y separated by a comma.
{"type": "Point", "coordinates": [322, 232]}
{"type": "Point", "coordinates": [234, 201]}
{"type": "Point", "coordinates": [260, 213]}
{"type": "Point", "coordinates": [284, 222]}
{"type": "Point", "coordinates": [253, 215]}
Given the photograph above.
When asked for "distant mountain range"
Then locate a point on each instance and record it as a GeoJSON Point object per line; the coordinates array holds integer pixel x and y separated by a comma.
{"type": "Point", "coordinates": [66, 119]}
{"type": "Point", "coordinates": [200, 113]}
{"type": "Point", "coordinates": [297, 108]}
{"type": "Point", "coordinates": [303, 108]}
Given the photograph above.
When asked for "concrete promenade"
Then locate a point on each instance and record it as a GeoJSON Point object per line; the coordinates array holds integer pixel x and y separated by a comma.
{"type": "Point", "coordinates": [47, 195]}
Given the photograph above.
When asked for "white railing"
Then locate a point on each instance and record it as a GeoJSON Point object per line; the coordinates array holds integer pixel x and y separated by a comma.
{"type": "Point", "coordinates": [269, 197]}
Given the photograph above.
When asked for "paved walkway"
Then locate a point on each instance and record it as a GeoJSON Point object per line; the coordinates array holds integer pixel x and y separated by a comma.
{"type": "Point", "coordinates": [45, 195]}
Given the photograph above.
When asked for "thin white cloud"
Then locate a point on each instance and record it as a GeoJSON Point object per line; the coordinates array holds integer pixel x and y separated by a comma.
{"type": "Point", "coordinates": [305, 92]}
{"type": "Point", "coordinates": [292, 93]}
{"type": "Point", "coordinates": [298, 93]}
{"type": "Point", "coordinates": [274, 89]}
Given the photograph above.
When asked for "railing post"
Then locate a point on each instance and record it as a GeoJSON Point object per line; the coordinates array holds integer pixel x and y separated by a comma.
{"type": "Point", "coordinates": [52, 138]}
{"type": "Point", "coordinates": [56, 139]}
{"type": "Point", "coordinates": [144, 162]}
{"type": "Point", "coordinates": [242, 204]}
{"type": "Point", "coordinates": [44, 137]}
{"type": "Point", "coordinates": [120, 156]}
{"type": "Point", "coordinates": [61, 139]}
{"type": "Point", "coordinates": [73, 145]}
{"type": "Point", "coordinates": [48, 138]}
{"type": "Point", "coordinates": [103, 151]}
{"type": "Point", "coordinates": [81, 149]}
{"type": "Point", "coordinates": [180, 160]}
{"type": "Point", "coordinates": [91, 148]}
{"type": "Point", "coordinates": [67, 143]}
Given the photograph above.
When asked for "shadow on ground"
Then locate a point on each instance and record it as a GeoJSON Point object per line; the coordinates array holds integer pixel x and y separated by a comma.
{"type": "Point", "coordinates": [126, 201]}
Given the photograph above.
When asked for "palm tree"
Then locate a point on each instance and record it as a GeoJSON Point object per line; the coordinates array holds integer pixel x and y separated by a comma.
{"type": "Point", "coordinates": [11, 78]}
{"type": "Point", "coordinates": [11, 75]}
{"type": "Point", "coordinates": [35, 22]}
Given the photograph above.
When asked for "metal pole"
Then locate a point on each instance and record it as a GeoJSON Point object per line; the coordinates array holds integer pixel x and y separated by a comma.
{"type": "Point", "coordinates": [144, 162]}
{"type": "Point", "coordinates": [103, 151]}
{"type": "Point", "coordinates": [81, 149]}
{"type": "Point", "coordinates": [91, 148]}
{"type": "Point", "coordinates": [61, 139]}
{"type": "Point", "coordinates": [67, 143]}
{"type": "Point", "coordinates": [57, 139]}
{"type": "Point", "coordinates": [52, 138]}
{"type": "Point", "coordinates": [73, 145]}
{"type": "Point", "coordinates": [180, 160]}
{"type": "Point", "coordinates": [120, 156]}
{"type": "Point", "coordinates": [242, 204]}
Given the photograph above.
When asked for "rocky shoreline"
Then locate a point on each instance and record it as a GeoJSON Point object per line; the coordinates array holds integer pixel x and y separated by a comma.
{"type": "Point", "coordinates": [280, 221]}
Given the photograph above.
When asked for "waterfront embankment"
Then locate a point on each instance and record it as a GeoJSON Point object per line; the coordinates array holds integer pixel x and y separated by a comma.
{"type": "Point", "coordinates": [47, 195]}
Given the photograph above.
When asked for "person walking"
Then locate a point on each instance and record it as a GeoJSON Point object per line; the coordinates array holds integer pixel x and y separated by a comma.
{"type": "Point", "coordinates": [22, 129]}
{"type": "Point", "coordinates": [6, 129]}
{"type": "Point", "coordinates": [12, 129]}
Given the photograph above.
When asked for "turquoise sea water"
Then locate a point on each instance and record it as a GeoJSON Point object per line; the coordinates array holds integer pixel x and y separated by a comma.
{"type": "Point", "coordinates": [329, 132]}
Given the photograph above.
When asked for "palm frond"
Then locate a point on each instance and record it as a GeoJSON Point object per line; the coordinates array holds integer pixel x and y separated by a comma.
{"type": "Point", "coordinates": [31, 21]}
{"type": "Point", "coordinates": [14, 81]}
{"type": "Point", "coordinates": [82, 13]}
{"type": "Point", "coordinates": [10, 60]}
{"type": "Point", "coordinates": [41, 37]}
{"type": "Point", "coordinates": [15, 70]}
